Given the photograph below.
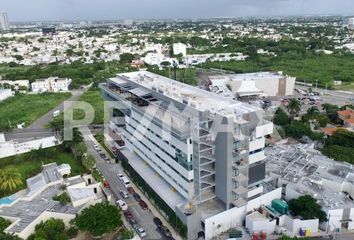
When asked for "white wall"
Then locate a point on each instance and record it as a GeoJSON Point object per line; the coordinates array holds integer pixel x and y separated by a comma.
{"type": "Point", "coordinates": [12, 148]}
{"type": "Point", "coordinates": [4, 94]}
{"type": "Point", "coordinates": [294, 225]}
{"type": "Point", "coordinates": [265, 129]}
{"type": "Point", "coordinates": [258, 225]}
{"type": "Point", "coordinates": [234, 217]}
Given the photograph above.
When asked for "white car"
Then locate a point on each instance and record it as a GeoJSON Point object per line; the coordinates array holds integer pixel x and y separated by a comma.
{"type": "Point", "coordinates": [120, 176]}
{"type": "Point", "coordinates": [124, 194]}
{"type": "Point", "coordinates": [122, 205]}
{"type": "Point", "coordinates": [141, 231]}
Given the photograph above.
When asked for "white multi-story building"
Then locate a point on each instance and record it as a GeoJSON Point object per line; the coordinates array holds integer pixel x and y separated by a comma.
{"type": "Point", "coordinates": [200, 152]}
{"type": "Point", "coordinates": [4, 22]}
{"type": "Point", "coordinates": [52, 84]}
{"type": "Point", "coordinates": [180, 48]}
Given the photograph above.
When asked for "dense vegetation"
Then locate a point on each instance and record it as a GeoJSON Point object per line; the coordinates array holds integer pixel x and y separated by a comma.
{"type": "Point", "coordinates": [30, 164]}
{"type": "Point", "coordinates": [340, 146]}
{"type": "Point", "coordinates": [187, 76]}
{"type": "Point", "coordinates": [324, 68]}
{"type": "Point", "coordinates": [98, 219]}
{"type": "Point", "coordinates": [52, 229]}
{"type": "Point", "coordinates": [307, 207]}
{"type": "Point", "coordinates": [27, 108]}
{"type": "Point", "coordinates": [80, 73]}
{"type": "Point", "coordinates": [4, 223]}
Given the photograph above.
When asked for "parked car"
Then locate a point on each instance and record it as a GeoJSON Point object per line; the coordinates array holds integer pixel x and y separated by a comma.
{"type": "Point", "coordinates": [128, 214]}
{"type": "Point", "coordinates": [122, 205]}
{"type": "Point", "coordinates": [106, 184]}
{"type": "Point", "coordinates": [157, 222]}
{"type": "Point", "coordinates": [141, 232]}
{"type": "Point", "coordinates": [131, 190]}
{"type": "Point", "coordinates": [143, 205]}
{"type": "Point", "coordinates": [132, 222]}
{"type": "Point", "coordinates": [124, 194]}
{"type": "Point", "coordinates": [137, 197]}
{"type": "Point", "coordinates": [120, 176]}
{"type": "Point", "coordinates": [166, 232]}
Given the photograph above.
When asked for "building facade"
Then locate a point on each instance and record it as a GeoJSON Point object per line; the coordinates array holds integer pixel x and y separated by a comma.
{"type": "Point", "coordinates": [253, 84]}
{"type": "Point", "coordinates": [206, 149]}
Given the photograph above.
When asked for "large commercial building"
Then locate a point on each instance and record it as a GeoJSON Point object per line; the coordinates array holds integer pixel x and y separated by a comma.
{"type": "Point", "coordinates": [202, 153]}
{"type": "Point", "coordinates": [4, 22]}
{"type": "Point", "coordinates": [252, 84]}
{"type": "Point", "coordinates": [301, 170]}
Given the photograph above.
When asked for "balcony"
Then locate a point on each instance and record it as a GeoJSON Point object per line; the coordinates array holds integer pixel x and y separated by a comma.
{"type": "Point", "coordinates": [256, 157]}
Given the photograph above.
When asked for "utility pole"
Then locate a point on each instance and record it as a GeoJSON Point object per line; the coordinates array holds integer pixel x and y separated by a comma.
{"type": "Point", "coordinates": [316, 86]}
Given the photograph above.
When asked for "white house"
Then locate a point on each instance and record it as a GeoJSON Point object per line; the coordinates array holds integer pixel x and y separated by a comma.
{"type": "Point", "coordinates": [180, 48]}
{"type": "Point", "coordinates": [52, 84]}
{"type": "Point", "coordinates": [5, 93]}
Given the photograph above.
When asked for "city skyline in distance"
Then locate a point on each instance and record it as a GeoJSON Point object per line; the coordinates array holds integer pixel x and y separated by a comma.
{"type": "Point", "coordinates": [73, 10]}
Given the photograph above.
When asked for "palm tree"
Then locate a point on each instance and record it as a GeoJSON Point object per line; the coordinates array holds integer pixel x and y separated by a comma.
{"type": "Point", "coordinates": [294, 107]}
{"type": "Point", "coordinates": [10, 179]}
{"type": "Point", "coordinates": [313, 112]}
{"type": "Point", "coordinates": [76, 139]}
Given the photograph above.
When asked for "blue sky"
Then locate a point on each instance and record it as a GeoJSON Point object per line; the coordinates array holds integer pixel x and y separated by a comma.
{"type": "Point", "coordinates": [28, 10]}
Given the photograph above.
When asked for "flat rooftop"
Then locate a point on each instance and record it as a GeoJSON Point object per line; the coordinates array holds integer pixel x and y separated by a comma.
{"type": "Point", "coordinates": [192, 96]}
{"type": "Point", "coordinates": [28, 211]}
{"type": "Point", "coordinates": [307, 170]}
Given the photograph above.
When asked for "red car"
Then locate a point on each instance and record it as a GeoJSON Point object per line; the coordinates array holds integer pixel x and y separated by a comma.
{"type": "Point", "coordinates": [106, 184]}
{"type": "Point", "coordinates": [143, 205]}
{"type": "Point", "coordinates": [128, 215]}
{"type": "Point", "coordinates": [131, 190]}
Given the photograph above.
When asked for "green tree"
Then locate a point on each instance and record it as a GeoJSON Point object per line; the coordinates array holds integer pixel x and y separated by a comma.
{"type": "Point", "coordinates": [10, 179]}
{"type": "Point", "coordinates": [52, 229]}
{"type": "Point", "coordinates": [98, 219]}
{"type": "Point", "coordinates": [126, 234]}
{"type": "Point", "coordinates": [76, 139]}
{"type": "Point", "coordinates": [307, 207]}
{"type": "Point", "coordinates": [4, 223]}
{"type": "Point", "coordinates": [294, 107]}
{"type": "Point", "coordinates": [79, 150]}
{"type": "Point", "coordinates": [313, 112]}
{"type": "Point", "coordinates": [8, 236]}
{"type": "Point", "coordinates": [280, 117]}
{"type": "Point", "coordinates": [126, 58]}
{"type": "Point", "coordinates": [88, 162]}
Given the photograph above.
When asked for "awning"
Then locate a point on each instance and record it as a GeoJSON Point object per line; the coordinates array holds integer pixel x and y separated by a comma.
{"type": "Point", "coordinates": [139, 91]}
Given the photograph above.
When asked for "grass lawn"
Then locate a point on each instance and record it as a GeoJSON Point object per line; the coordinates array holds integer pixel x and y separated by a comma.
{"type": "Point", "coordinates": [94, 98]}
{"type": "Point", "coordinates": [27, 108]}
{"type": "Point", "coordinates": [29, 164]}
{"type": "Point", "coordinates": [324, 68]}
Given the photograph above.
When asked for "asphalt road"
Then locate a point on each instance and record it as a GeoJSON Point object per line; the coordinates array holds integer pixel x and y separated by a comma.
{"type": "Point", "coordinates": [43, 121]}
{"type": "Point", "coordinates": [23, 135]}
{"type": "Point", "coordinates": [109, 171]}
